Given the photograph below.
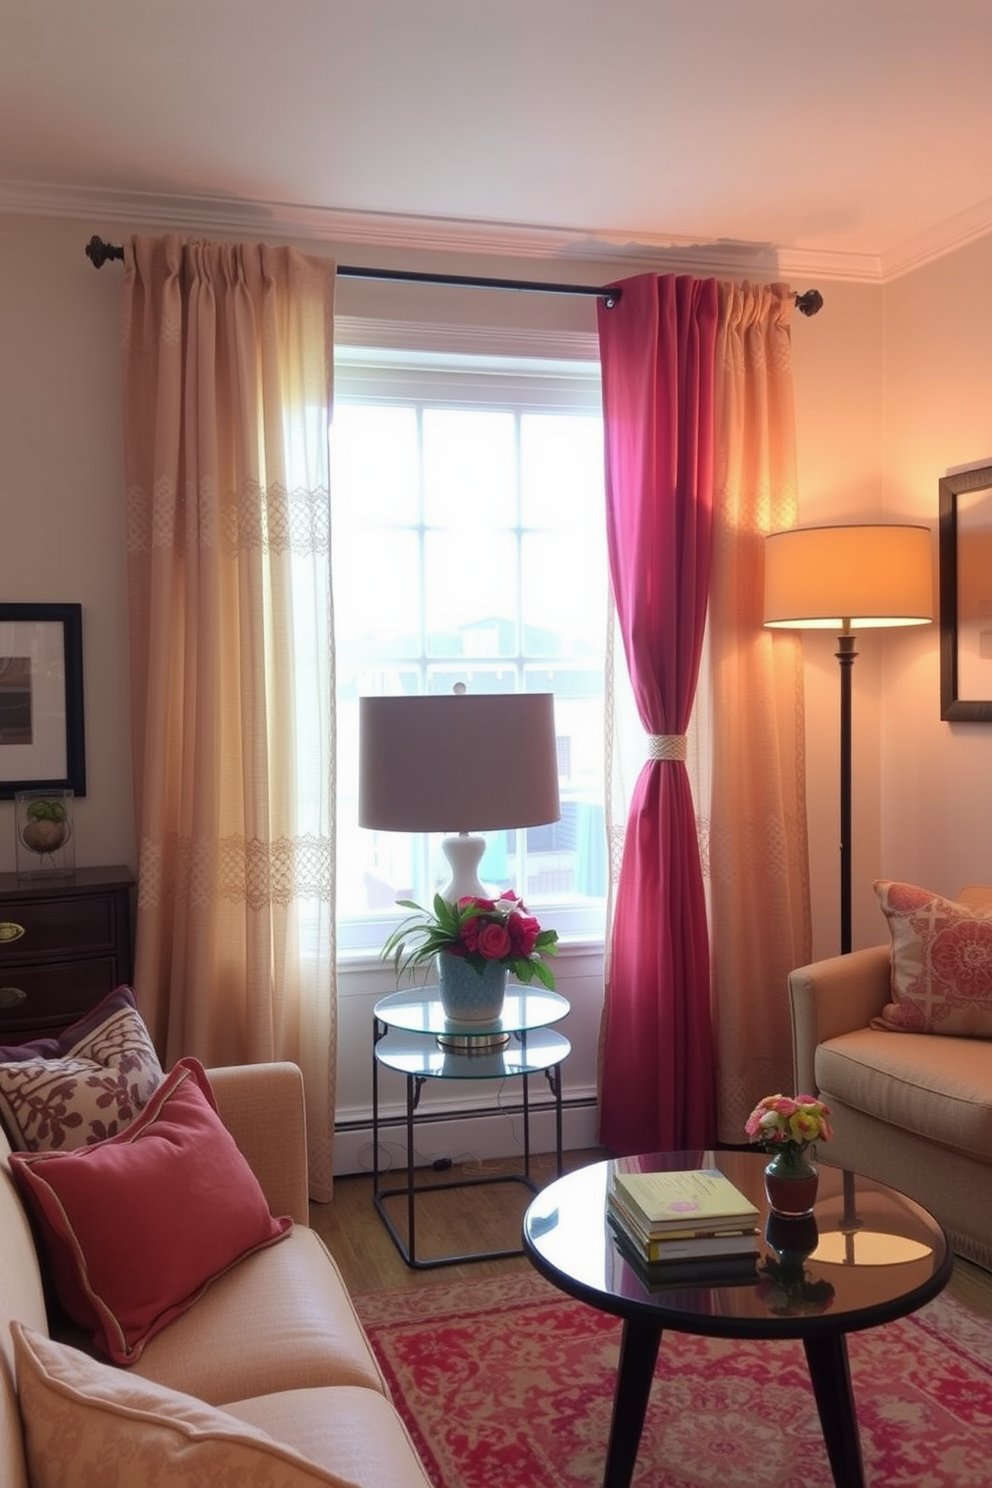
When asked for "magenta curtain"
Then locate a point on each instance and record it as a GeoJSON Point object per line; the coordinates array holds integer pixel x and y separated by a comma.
{"type": "Point", "coordinates": [657, 349]}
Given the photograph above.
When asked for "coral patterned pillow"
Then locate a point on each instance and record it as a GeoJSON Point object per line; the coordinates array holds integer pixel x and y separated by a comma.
{"type": "Point", "coordinates": [941, 963]}
{"type": "Point", "coordinates": [93, 1087]}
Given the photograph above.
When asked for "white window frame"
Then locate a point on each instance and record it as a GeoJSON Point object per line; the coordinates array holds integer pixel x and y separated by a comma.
{"type": "Point", "coordinates": [459, 378]}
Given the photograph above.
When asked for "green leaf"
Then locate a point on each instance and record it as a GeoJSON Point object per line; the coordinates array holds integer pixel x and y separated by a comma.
{"type": "Point", "coordinates": [544, 974]}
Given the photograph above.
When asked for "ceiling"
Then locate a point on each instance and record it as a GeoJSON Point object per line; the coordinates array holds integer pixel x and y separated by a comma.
{"type": "Point", "coordinates": [851, 137]}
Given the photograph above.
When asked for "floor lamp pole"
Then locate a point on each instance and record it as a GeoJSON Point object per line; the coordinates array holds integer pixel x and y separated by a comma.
{"type": "Point", "coordinates": [845, 656]}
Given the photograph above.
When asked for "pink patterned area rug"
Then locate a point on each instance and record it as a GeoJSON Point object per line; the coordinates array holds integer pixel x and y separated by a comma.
{"type": "Point", "coordinates": [505, 1380]}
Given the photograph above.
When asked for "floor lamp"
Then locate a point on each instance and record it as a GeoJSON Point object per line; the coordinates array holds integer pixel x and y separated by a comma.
{"type": "Point", "coordinates": [848, 579]}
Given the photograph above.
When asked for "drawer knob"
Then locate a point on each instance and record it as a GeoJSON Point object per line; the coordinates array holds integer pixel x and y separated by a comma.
{"type": "Point", "coordinates": [11, 997]}
{"type": "Point", "coordinates": [9, 930]}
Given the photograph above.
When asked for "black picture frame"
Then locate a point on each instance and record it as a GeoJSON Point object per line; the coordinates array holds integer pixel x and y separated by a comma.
{"type": "Point", "coordinates": [42, 743]}
{"type": "Point", "coordinates": [965, 550]}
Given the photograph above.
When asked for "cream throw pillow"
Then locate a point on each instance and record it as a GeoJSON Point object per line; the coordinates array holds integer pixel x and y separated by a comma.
{"type": "Point", "coordinates": [941, 963]}
{"type": "Point", "coordinates": [88, 1423]}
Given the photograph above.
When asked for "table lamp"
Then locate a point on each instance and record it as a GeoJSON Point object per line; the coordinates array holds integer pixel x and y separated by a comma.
{"type": "Point", "coordinates": [460, 763]}
{"type": "Point", "coordinates": [848, 578]}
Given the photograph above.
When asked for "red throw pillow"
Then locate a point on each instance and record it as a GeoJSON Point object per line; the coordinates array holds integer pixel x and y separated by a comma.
{"type": "Point", "coordinates": [137, 1227]}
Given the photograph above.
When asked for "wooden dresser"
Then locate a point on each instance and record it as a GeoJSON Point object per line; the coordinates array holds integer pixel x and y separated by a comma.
{"type": "Point", "coordinates": [64, 943]}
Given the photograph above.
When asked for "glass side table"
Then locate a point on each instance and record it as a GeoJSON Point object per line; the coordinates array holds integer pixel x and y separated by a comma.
{"type": "Point", "coordinates": [412, 1036]}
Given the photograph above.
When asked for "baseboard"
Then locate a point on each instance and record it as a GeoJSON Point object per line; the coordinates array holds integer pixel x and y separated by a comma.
{"type": "Point", "coordinates": [464, 1137]}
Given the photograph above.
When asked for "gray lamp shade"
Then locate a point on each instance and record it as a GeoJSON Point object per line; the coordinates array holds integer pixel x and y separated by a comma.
{"type": "Point", "coordinates": [457, 763]}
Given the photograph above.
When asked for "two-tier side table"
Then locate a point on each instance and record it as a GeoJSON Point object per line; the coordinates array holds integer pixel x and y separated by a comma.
{"type": "Point", "coordinates": [412, 1036]}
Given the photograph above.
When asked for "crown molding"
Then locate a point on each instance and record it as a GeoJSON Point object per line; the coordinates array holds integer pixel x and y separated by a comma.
{"type": "Point", "coordinates": [436, 235]}
{"type": "Point", "coordinates": [956, 232]}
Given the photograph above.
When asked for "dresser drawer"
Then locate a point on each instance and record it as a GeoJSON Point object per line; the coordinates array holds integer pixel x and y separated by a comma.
{"type": "Point", "coordinates": [43, 999]}
{"type": "Point", "coordinates": [55, 927]}
{"type": "Point", "coordinates": [64, 944]}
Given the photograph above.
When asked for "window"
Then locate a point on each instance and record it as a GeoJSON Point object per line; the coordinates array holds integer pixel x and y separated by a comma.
{"type": "Point", "coordinates": [469, 546]}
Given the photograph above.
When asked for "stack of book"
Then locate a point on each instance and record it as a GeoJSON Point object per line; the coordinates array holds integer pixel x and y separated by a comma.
{"type": "Point", "coordinates": [683, 1217]}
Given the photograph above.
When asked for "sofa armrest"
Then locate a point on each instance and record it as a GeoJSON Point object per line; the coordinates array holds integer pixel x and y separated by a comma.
{"type": "Point", "coordinates": [262, 1107]}
{"type": "Point", "coordinates": [832, 997]}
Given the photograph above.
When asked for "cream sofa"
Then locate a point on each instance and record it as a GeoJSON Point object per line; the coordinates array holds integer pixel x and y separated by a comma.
{"type": "Point", "coordinates": [911, 1109]}
{"type": "Point", "coordinates": [275, 1343]}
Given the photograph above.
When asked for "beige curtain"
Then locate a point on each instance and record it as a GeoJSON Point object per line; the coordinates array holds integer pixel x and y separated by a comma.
{"type": "Point", "coordinates": [227, 394]}
{"type": "Point", "coordinates": [758, 862]}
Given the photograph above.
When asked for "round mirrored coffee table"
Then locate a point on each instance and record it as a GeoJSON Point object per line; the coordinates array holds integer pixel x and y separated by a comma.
{"type": "Point", "coordinates": [870, 1255]}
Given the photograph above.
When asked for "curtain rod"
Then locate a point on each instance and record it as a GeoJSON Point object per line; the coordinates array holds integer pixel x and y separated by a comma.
{"type": "Point", "coordinates": [98, 252]}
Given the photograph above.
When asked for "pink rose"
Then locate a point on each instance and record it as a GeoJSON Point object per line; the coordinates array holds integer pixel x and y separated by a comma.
{"type": "Point", "coordinates": [493, 942]}
{"type": "Point", "coordinates": [523, 930]}
{"type": "Point", "coordinates": [468, 935]}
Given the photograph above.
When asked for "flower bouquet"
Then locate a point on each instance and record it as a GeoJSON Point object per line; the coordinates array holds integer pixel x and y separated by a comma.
{"type": "Point", "coordinates": [481, 932]}
{"type": "Point", "coordinates": [789, 1124]}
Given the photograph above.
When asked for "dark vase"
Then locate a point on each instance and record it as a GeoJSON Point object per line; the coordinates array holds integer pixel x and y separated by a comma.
{"type": "Point", "coordinates": [791, 1182]}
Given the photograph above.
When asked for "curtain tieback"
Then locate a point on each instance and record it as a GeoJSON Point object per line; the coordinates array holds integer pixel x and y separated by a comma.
{"type": "Point", "coordinates": [666, 747]}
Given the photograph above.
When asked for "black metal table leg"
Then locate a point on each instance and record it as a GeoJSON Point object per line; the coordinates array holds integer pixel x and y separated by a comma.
{"type": "Point", "coordinates": [553, 1076]}
{"type": "Point", "coordinates": [638, 1356]}
{"type": "Point", "coordinates": [830, 1374]}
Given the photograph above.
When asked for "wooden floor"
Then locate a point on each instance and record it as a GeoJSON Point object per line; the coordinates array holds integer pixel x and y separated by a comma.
{"type": "Point", "coordinates": [487, 1216]}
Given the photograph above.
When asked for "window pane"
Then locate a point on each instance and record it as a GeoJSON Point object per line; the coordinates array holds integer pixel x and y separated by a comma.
{"type": "Point", "coordinates": [469, 547]}
{"type": "Point", "coordinates": [562, 471]}
{"type": "Point", "coordinates": [469, 469]}
{"type": "Point", "coordinates": [564, 580]}
{"type": "Point", "coordinates": [374, 465]}
{"type": "Point", "coordinates": [377, 594]}
{"type": "Point", "coordinates": [471, 594]}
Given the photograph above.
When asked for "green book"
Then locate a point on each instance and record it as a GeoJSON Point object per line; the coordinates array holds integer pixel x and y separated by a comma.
{"type": "Point", "coordinates": [692, 1200]}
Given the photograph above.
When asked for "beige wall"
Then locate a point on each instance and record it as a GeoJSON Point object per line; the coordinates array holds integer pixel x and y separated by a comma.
{"type": "Point", "coordinates": [61, 509]}
{"type": "Point", "coordinates": [893, 386]}
{"type": "Point", "coordinates": [936, 777]}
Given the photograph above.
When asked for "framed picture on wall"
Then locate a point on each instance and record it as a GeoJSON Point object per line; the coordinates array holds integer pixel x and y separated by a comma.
{"type": "Point", "coordinates": [966, 596]}
{"type": "Point", "coordinates": [42, 743]}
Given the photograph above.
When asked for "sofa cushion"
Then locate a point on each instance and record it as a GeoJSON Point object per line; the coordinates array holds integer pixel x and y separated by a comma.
{"type": "Point", "coordinates": [941, 963]}
{"type": "Point", "coordinates": [137, 1226]}
{"type": "Point", "coordinates": [87, 1423]}
{"type": "Point", "coordinates": [354, 1432]}
{"type": "Point", "coordinates": [282, 1319]}
{"type": "Point", "coordinates": [938, 1088]}
{"type": "Point", "coordinates": [61, 1093]}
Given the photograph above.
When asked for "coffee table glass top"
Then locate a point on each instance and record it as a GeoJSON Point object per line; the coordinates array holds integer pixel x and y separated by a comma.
{"type": "Point", "coordinates": [419, 1010]}
{"type": "Point", "coordinates": [872, 1254]}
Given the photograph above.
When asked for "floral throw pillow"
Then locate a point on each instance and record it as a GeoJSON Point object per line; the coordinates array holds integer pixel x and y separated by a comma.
{"type": "Point", "coordinates": [941, 961]}
{"type": "Point", "coordinates": [91, 1091]}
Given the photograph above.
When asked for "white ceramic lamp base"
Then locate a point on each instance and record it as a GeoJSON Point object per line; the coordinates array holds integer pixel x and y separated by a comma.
{"type": "Point", "coordinates": [464, 854]}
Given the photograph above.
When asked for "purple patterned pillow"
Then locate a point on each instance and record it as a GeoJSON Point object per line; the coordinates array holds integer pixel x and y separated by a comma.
{"type": "Point", "coordinates": [103, 1073]}
{"type": "Point", "coordinates": [58, 1046]}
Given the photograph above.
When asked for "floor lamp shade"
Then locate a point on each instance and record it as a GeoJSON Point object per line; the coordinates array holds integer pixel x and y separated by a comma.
{"type": "Point", "coordinates": [848, 578]}
{"type": "Point", "coordinates": [458, 763]}
{"type": "Point", "coordinates": [862, 576]}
